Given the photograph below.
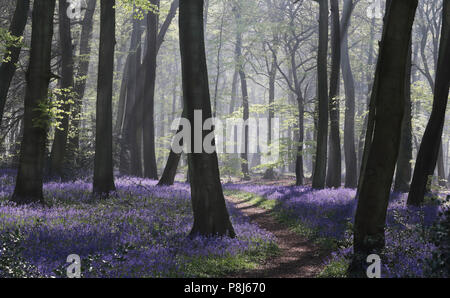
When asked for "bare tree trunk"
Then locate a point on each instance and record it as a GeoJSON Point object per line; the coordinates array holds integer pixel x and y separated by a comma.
{"type": "Point", "coordinates": [8, 67]}
{"type": "Point", "coordinates": [32, 152]}
{"type": "Point", "coordinates": [388, 97]}
{"type": "Point", "coordinates": [103, 164]}
{"type": "Point", "coordinates": [320, 166]}
{"type": "Point", "coordinates": [431, 141]}
{"type": "Point", "coordinates": [369, 81]}
{"type": "Point", "coordinates": [334, 154]}
{"type": "Point", "coordinates": [150, 167]}
{"type": "Point", "coordinates": [351, 171]}
{"type": "Point", "coordinates": [210, 214]}
{"type": "Point", "coordinates": [244, 154]}
{"type": "Point", "coordinates": [404, 170]}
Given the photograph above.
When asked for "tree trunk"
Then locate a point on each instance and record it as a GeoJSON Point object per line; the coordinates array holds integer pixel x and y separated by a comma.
{"type": "Point", "coordinates": [103, 163]}
{"type": "Point", "coordinates": [299, 175]}
{"type": "Point", "coordinates": [80, 84]}
{"type": "Point", "coordinates": [431, 141]}
{"type": "Point", "coordinates": [8, 68]}
{"type": "Point", "coordinates": [32, 153]}
{"type": "Point", "coordinates": [320, 165]}
{"type": "Point", "coordinates": [128, 140]}
{"type": "Point", "coordinates": [388, 97]}
{"type": "Point", "coordinates": [349, 84]}
{"type": "Point", "coordinates": [404, 170]}
{"type": "Point", "coordinates": [150, 166]}
{"type": "Point", "coordinates": [334, 154]}
{"type": "Point", "coordinates": [369, 80]}
{"type": "Point", "coordinates": [210, 214]}
{"type": "Point", "coordinates": [269, 174]}
{"type": "Point", "coordinates": [58, 153]}
{"type": "Point", "coordinates": [440, 166]}
{"type": "Point", "coordinates": [244, 151]}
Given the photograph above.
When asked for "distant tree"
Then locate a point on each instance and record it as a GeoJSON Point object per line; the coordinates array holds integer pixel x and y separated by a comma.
{"type": "Point", "coordinates": [404, 170]}
{"type": "Point", "coordinates": [150, 167]}
{"type": "Point", "coordinates": [32, 152]}
{"type": "Point", "coordinates": [431, 141]}
{"type": "Point", "coordinates": [382, 145]}
{"type": "Point", "coordinates": [103, 164]}
{"type": "Point", "coordinates": [8, 67]}
{"type": "Point", "coordinates": [210, 214]}
{"type": "Point", "coordinates": [245, 103]}
{"type": "Point", "coordinates": [58, 152]}
{"type": "Point", "coordinates": [351, 171]}
{"type": "Point", "coordinates": [81, 78]}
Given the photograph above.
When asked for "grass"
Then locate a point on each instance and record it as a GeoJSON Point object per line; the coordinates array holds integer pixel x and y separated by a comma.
{"type": "Point", "coordinates": [226, 266]}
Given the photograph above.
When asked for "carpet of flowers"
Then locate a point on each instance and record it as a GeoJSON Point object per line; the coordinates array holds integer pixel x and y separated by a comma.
{"type": "Point", "coordinates": [140, 231]}
{"type": "Point", "coordinates": [415, 237]}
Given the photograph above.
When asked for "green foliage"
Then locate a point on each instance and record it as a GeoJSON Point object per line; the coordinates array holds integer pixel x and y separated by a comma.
{"type": "Point", "coordinates": [12, 265]}
{"type": "Point", "coordinates": [335, 269]}
{"type": "Point", "coordinates": [8, 40]}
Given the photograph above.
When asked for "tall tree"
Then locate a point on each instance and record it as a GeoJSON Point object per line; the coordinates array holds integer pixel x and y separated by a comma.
{"type": "Point", "coordinates": [32, 152]}
{"type": "Point", "coordinates": [8, 67]}
{"type": "Point", "coordinates": [320, 165]}
{"type": "Point", "coordinates": [334, 154]}
{"type": "Point", "coordinates": [404, 170]}
{"type": "Point", "coordinates": [154, 41]}
{"type": "Point", "coordinates": [58, 152]}
{"type": "Point", "coordinates": [351, 171]}
{"type": "Point", "coordinates": [130, 162]}
{"type": "Point", "coordinates": [103, 164]}
{"type": "Point", "coordinates": [245, 105]}
{"type": "Point", "coordinates": [431, 141]}
{"type": "Point", "coordinates": [388, 97]}
{"type": "Point", "coordinates": [81, 77]}
{"type": "Point", "coordinates": [150, 166]}
{"type": "Point", "coordinates": [210, 214]}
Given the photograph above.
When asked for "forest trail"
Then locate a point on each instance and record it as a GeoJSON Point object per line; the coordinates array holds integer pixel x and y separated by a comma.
{"type": "Point", "coordinates": [297, 258]}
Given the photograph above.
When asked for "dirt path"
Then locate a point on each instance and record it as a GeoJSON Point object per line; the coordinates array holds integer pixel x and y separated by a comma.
{"type": "Point", "coordinates": [298, 257]}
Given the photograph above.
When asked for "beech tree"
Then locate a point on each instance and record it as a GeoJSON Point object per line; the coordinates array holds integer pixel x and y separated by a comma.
{"type": "Point", "coordinates": [103, 163]}
{"type": "Point", "coordinates": [320, 165]}
{"type": "Point", "coordinates": [382, 144]}
{"type": "Point", "coordinates": [8, 67]}
{"type": "Point", "coordinates": [32, 151]}
{"type": "Point", "coordinates": [208, 203]}
{"type": "Point", "coordinates": [431, 141]}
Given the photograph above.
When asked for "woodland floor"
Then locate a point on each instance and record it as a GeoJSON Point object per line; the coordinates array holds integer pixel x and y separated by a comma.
{"type": "Point", "coordinates": [297, 257]}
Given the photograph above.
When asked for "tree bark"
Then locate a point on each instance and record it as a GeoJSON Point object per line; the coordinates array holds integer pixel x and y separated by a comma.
{"type": "Point", "coordinates": [351, 171]}
{"type": "Point", "coordinates": [388, 98]}
{"type": "Point", "coordinates": [431, 141]}
{"type": "Point", "coordinates": [128, 140]}
{"type": "Point", "coordinates": [404, 170]}
{"type": "Point", "coordinates": [334, 154]}
{"type": "Point", "coordinates": [210, 214]}
{"type": "Point", "coordinates": [8, 68]}
{"type": "Point", "coordinates": [103, 163]}
{"type": "Point", "coordinates": [150, 167]}
{"type": "Point", "coordinates": [32, 153]}
{"type": "Point", "coordinates": [320, 165]}
{"type": "Point", "coordinates": [244, 152]}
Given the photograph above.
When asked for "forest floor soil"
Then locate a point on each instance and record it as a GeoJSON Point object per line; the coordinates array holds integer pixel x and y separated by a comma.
{"type": "Point", "coordinates": [298, 257]}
